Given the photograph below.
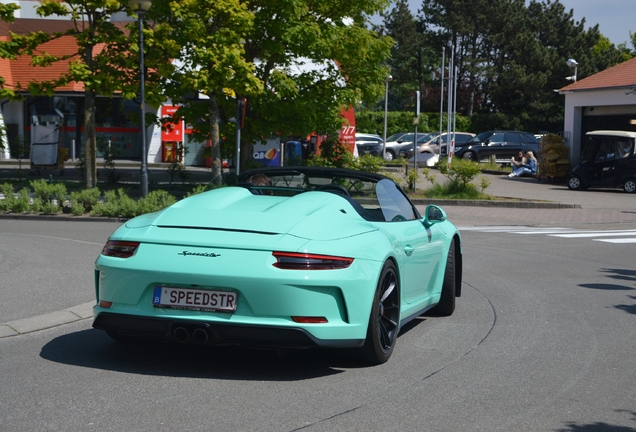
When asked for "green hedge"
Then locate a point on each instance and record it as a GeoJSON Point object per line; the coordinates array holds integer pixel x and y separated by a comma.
{"type": "Point", "coordinates": [399, 121]}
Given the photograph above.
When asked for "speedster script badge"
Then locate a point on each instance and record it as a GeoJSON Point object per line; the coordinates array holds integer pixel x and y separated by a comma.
{"type": "Point", "coordinates": [201, 254]}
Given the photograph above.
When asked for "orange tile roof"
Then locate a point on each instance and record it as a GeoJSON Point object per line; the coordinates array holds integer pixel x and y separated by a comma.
{"type": "Point", "coordinates": [621, 75]}
{"type": "Point", "coordinates": [28, 25]}
{"type": "Point", "coordinates": [21, 71]}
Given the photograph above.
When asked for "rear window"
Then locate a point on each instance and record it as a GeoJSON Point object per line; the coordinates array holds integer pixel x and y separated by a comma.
{"type": "Point", "coordinates": [529, 138]}
{"type": "Point", "coordinates": [600, 148]}
{"type": "Point", "coordinates": [514, 138]}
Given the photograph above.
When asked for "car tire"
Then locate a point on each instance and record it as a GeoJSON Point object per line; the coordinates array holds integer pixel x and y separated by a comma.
{"type": "Point", "coordinates": [388, 155]}
{"type": "Point", "coordinates": [385, 318]}
{"type": "Point", "coordinates": [575, 183]}
{"type": "Point", "coordinates": [471, 156]}
{"type": "Point", "coordinates": [446, 305]}
{"type": "Point", "coordinates": [630, 185]}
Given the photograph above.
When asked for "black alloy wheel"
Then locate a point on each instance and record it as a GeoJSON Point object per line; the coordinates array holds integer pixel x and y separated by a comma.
{"type": "Point", "coordinates": [385, 318]}
{"type": "Point", "coordinates": [629, 186]}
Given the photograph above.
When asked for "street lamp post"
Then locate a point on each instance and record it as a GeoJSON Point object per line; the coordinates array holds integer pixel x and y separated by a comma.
{"type": "Point", "coordinates": [573, 64]}
{"type": "Point", "coordinates": [387, 80]}
{"type": "Point", "coordinates": [140, 7]}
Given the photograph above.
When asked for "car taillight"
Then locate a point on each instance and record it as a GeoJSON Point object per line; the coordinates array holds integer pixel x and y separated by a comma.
{"type": "Point", "coordinates": [120, 249]}
{"type": "Point", "coordinates": [306, 261]}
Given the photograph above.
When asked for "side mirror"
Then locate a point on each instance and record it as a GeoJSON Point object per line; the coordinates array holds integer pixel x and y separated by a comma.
{"type": "Point", "coordinates": [432, 215]}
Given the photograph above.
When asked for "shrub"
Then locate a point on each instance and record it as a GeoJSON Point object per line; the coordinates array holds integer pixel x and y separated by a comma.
{"type": "Point", "coordinates": [461, 171]}
{"type": "Point", "coordinates": [22, 203]}
{"type": "Point", "coordinates": [335, 154]}
{"type": "Point", "coordinates": [9, 196]}
{"type": "Point", "coordinates": [49, 197]}
{"type": "Point", "coordinates": [197, 190]}
{"type": "Point", "coordinates": [84, 200]}
{"type": "Point", "coordinates": [116, 204]}
{"type": "Point", "coordinates": [109, 153]}
{"type": "Point", "coordinates": [119, 204]}
{"type": "Point", "coordinates": [156, 200]}
{"type": "Point", "coordinates": [461, 174]}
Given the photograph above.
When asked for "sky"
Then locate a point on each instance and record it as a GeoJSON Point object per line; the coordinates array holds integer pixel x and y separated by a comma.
{"type": "Point", "coordinates": [615, 17]}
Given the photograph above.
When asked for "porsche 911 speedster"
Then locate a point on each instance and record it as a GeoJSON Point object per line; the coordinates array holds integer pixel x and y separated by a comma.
{"type": "Point", "coordinates": [310, 257]}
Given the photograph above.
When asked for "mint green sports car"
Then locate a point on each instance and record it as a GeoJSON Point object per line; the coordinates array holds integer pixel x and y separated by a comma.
{"type": "Point", "coordinates": [288, 257]}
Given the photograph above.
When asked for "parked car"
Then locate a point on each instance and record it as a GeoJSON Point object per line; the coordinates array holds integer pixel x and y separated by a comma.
{"type": "Point", "coordinates": [398, 147]}
{"type": "Point", "coordinates": [431, 146]}
{"type": "Point", "coordinates": [405, 150]}
{"type": "Point", "coordinates": [461, 138]}
{"type": "Point", "coordinates": [607, 160]}
{"type": "Point", "coordinates": [501, 144]}
{"type": "Point", "coordinates": [314, 257]}
{"type": "Point", "coordinates": [369, 144]}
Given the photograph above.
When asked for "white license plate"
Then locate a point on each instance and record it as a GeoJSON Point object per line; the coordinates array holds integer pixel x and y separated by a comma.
{"type": "Point", "coordinates": [194, 299]}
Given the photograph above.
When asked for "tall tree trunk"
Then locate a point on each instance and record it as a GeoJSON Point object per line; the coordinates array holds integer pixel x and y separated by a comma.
{"type": "Point", "coordinates": [216, 144]}
{"type": "Point", "coordinates": [247, 148]}
{"type": "Point", "coordinates": [90, 143]}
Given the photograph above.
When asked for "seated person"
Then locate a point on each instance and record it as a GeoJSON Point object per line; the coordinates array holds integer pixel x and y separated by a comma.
{"type": "Point", "coordinates": [261, 180]}
{"type": "Point", "coordinates": [528, 168]}
{"type": "Point", "coordinates": [517, 163]}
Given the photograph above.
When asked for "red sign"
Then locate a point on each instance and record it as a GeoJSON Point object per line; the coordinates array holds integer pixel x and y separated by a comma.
{"type": "Point", "coordinates": [171, 131]}
{"type": "Point", "coordinates": [348, 131]}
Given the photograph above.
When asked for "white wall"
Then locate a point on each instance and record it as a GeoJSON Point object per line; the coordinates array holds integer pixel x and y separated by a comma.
{"type": "Point", "coordinates": [10, 113]}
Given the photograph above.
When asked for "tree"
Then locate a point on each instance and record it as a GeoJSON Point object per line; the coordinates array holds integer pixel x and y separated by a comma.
{"type": "Point", "coordinates": [297, 63]}
{"type": "Point", "coordinates": [412, 62]}
{"type": "Point", "coordinates": [205, 37]}
{"type": "Point", "coordinates": [101, 58]}
{"type": "Point", "coordinates": [510, 57]}
{"type": "Point", "coordinates": [313, 58]}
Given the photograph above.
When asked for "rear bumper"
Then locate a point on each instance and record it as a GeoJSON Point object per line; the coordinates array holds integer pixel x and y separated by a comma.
{"type": "Point", "coordinates": [214, 333]}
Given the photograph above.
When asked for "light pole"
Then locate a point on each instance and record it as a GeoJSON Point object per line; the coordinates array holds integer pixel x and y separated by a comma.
{"type": "Point", "coordinates": [573, 64]}
{"type": "Point", "coordinates": [387, 80]}
{"type": "Point", "coordinates": [140, 7]}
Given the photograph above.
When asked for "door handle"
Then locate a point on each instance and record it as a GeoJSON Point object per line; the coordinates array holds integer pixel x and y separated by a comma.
{"type": "Point", "coordinates": [408, 250]}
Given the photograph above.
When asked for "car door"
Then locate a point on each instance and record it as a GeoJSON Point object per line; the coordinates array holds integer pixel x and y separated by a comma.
{"type": "Point", "coordinates": [419, 249]}
{"type": "Point", "coordinates": [514, 144]}
{"type": "Point", "coordinates": [493, 145]}
{"type": "Point", "coordinates": [601, 171]}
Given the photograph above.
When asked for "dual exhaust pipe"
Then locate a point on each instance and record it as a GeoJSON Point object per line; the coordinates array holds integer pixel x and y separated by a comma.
{"type": "Point", "coordinates": [190, 334]}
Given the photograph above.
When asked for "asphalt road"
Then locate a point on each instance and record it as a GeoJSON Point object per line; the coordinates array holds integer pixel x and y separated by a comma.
{"type": "Point", "coordinates": [542, 339]}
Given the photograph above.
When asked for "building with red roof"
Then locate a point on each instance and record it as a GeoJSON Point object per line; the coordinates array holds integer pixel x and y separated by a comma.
{"type": "Point", "coordinates": [603, 101]}
{"type": "Point", "coordinates": [114, 122]}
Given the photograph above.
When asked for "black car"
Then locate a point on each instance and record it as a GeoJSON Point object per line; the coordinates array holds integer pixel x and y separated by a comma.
{"type": "Point", "coordinates": [501, 144]}
{"type": "Point", "coordinates": [608, 160]}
